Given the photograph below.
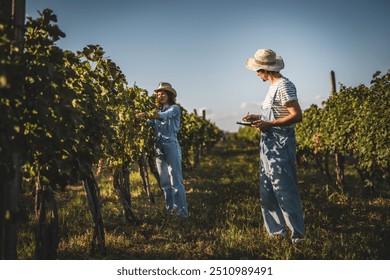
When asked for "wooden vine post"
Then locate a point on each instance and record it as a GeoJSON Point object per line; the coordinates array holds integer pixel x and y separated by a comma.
{"type": "Point", "coordinates": [94, 201]}
{"type": "Point", "coordinates": [121, 184]}
{"type": "Point", "coordinates": [47, 226]}
{"type": "Point", "coordinates": [143, 168]}
{"type": "Point", "coordinates": [12, 15]}
{"type": "Point", "coordinates": [203, 150]}
{"type": "Point", "coordinates": [198, 145]}
{"type": "Point", "coordinates": [339, 158]}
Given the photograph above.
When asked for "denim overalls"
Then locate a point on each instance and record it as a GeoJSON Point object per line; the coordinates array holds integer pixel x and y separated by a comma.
{"type": "Point", "coordinates": [279, 197]}
{"type": "Point", "coordinates": [168, 159]}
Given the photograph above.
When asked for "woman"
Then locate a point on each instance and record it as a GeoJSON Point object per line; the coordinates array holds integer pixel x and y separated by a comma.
{"type": "Point", "coordinates": [166, 122]}
{"type": "Point", "coordinates": [279, 197]}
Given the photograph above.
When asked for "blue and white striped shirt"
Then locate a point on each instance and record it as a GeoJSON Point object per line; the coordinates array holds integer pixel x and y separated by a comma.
{"type": "Point", "coordinates": [282, 92]}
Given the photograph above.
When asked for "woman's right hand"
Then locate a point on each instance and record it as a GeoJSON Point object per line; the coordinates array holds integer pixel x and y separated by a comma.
{"type": "Point", "coordinates": [140, 115]}
{"type": "Point", "coordinates": [251, 118]}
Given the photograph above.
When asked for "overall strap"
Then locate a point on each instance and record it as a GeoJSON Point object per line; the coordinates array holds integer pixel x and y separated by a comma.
{"type": "Point", "coordinates": [276, 90]}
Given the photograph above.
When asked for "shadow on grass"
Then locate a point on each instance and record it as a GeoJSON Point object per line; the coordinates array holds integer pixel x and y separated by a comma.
{"type": "Point", "coordinates": [225, 219]}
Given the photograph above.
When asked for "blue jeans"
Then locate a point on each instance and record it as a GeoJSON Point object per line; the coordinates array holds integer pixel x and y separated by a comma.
{"type": "Point", "coordinates": [279, 197]}
{"type": "Point", "coordinates": [168, 161]}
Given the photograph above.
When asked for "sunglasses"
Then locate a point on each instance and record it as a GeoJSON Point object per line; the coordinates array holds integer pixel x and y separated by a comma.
{"type": "Point", "coordinates": [260, 70]}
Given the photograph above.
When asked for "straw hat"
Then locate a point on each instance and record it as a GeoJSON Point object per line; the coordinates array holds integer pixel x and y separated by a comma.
{"type": "Point", "coordinates": [265, 59]}
{"type": "Point", "coordinates": [167, 87]}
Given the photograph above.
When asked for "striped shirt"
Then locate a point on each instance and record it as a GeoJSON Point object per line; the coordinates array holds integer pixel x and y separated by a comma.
{"type": "Point", "coordinates": [284, 91]}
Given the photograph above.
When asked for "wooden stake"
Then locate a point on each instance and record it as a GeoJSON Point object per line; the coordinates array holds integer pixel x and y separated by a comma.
{"type": "Point", "coordinates": [332, 82]}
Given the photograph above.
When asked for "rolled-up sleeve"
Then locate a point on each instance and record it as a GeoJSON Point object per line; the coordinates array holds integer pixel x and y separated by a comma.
{"type": "Point", "coordinates": [151, 123]}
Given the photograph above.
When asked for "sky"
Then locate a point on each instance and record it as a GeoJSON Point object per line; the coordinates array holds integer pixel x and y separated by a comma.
{"type": "Point", "coordinates": [200, 46]}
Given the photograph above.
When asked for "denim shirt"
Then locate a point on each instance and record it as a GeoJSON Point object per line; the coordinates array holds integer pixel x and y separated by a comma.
{"type": "Point", "coordinates": [168, 125]}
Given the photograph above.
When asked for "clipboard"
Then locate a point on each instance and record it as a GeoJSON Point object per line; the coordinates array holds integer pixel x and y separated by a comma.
{"type": "Point", "coordinates": [245, 123]}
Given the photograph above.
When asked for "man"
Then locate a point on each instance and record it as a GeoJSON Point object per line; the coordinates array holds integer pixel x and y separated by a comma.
{"type": "Point", "coordinates": [279, 197]}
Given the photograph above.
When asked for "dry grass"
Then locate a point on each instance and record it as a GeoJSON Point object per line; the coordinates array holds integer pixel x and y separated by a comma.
{"type": "Point", "coordinates": [225, 219]}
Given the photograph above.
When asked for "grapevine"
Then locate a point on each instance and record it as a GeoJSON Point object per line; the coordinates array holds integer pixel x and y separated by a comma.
{"type": "Point", "coordinates": [74, 111]}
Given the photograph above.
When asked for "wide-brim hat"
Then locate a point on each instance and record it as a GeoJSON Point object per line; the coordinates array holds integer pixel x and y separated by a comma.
{"type": "Point", "coordinates": [265, 59]}
{"type": "Point", "coordinates": [166, 86]}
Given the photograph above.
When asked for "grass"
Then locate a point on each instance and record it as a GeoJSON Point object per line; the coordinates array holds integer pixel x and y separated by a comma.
{"type": "Point", "coordinates": [225, 220]}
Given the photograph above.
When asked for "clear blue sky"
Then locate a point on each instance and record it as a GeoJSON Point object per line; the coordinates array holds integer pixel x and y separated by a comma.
{"type": "Point", "coordinates": [200, 46]}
